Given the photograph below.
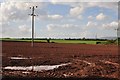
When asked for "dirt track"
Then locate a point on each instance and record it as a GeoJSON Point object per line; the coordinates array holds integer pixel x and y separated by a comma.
{"type": "Point", "coordinates": [54, 53]}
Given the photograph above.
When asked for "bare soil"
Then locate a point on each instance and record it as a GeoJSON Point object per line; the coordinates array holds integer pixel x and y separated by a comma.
{"type": "Point", "coordinates": [103, 59]}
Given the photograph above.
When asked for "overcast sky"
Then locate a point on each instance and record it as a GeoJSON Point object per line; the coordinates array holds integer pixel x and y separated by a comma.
{"type": "Point", "coordinates": [1, 0]}
{"type": "Point", "coordinates": [60, 19]}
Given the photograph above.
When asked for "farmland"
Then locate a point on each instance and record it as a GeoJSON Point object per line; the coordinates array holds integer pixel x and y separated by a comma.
{"type": "Point", "coordinates": [77, 41]}
{"type": "Point", "coordinates": [103, 60]}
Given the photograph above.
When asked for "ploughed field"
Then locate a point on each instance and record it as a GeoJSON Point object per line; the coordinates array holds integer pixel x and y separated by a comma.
{"type": "Point", "coordinates": [83, 60]}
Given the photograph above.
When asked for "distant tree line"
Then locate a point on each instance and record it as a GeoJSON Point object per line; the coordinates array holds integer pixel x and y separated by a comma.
{"type": "Point", "coordinates": [90, 39]}
{"type": "Point", "coordinates": [34, 38]}
{"type": "Point", "coordinates": [60, 39]}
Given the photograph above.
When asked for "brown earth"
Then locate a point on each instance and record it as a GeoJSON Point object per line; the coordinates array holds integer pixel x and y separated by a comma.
{"type": "Point", "coordinates": [104, 59]}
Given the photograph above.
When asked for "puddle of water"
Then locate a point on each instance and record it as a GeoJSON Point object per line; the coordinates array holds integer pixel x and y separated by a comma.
{"type": "Point", "coordinates": [18, 68]}
{"type": "Point", "coordinates": [25, 72]}
{"type": "Point", "coordinates": [34, 68]}
{"type": "Point", "coordinates": [19, 58]}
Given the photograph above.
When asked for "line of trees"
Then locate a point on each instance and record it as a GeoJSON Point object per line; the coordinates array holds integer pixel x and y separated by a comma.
{"type": "Point", "coordinates": [58, 39]}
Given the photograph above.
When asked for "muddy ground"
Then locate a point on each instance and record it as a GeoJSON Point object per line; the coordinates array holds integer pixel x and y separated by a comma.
{"type": "Point", "coordinates": [86, 60]}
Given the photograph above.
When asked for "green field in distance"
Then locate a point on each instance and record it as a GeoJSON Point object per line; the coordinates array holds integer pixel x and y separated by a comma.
{"type": "Point", "coordinates": [90, 41]}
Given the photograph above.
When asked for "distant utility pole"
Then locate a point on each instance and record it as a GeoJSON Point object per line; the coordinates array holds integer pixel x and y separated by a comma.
{"type": "Point", "coordinates": [117, 34]}
{"type": "Point", "coordinates": [96, 36]}
{"type": "Point", "coordinates": [116, 31]}
{"type": "Point", "coordinates": [33, 15]}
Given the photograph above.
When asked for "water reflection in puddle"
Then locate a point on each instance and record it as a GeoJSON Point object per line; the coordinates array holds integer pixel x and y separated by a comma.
{"type": "Point", "coordinates": [18, 58]}
{"type": "Point", "coordinates": [34, 68]}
